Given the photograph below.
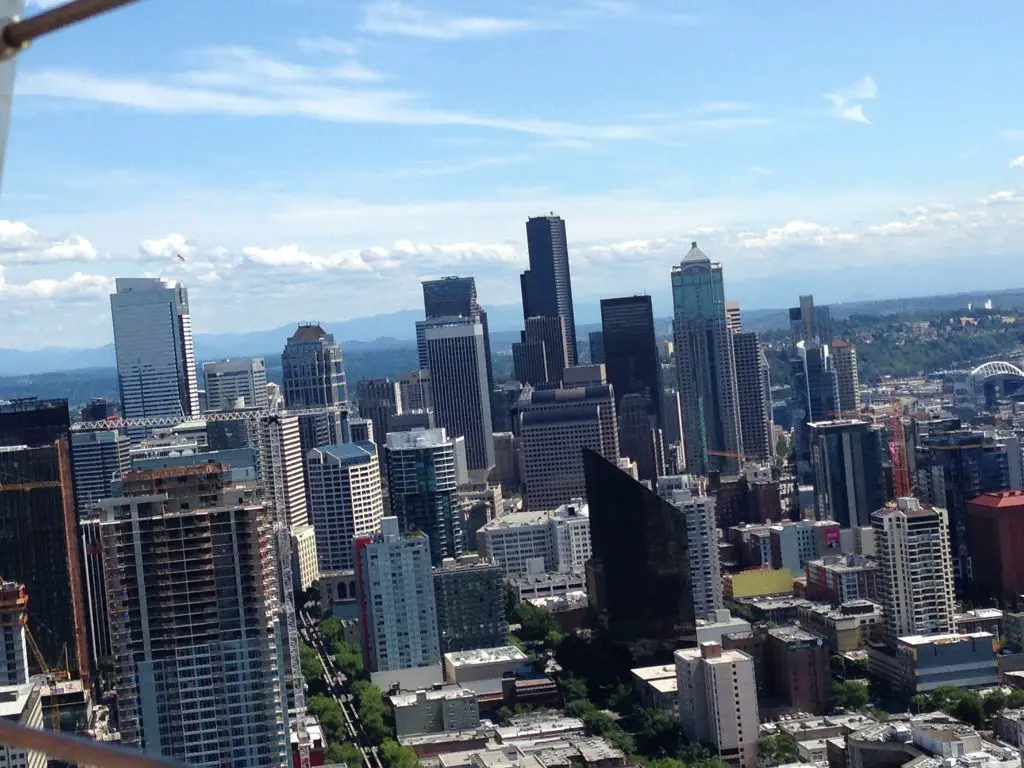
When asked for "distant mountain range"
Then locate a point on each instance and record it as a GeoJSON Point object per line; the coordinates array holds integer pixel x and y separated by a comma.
{"type": "Point", "coordinates": [396, 330]}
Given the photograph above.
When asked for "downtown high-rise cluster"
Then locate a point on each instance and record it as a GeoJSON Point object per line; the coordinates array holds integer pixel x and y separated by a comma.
{"type": "Point", "coordinates": [646, 478]}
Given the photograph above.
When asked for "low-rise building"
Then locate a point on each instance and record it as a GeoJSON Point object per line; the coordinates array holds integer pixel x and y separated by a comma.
{"type": "Point", "coordinates": [980, 620]}
{"type": "Point", "coordinates": [797, 669]}
{"type": "Point", "coordinates": [841, 578]}
{"type": "Point", "coordinates": [305, 566]}
{"type": "Point", "coordinates": [718, 624]}
{"type": "Point", "coordinates": [561, 538]}
{"type": "Point", "coordinates": [547, 583]}
{"type": "Point", "coordinates": [440, 709]}
{"type": "Point", "coordinates": [483, 664]}
{"type": "Point", "coordinates": [847, 628]}
{"type": "Point", "coordinates": [759, 582]}
{"type": "Point", "coordinates": [657, 687]}
{"type": "Point", "coordinates": [929, 661]}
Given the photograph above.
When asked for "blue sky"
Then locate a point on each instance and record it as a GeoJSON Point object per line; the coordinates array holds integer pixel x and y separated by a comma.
{"type": "Point", "coordinates": [318, 158]}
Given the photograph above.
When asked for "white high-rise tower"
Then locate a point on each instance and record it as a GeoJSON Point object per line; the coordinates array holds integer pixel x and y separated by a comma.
{"type": "Point", "coordinates": [156, 363]}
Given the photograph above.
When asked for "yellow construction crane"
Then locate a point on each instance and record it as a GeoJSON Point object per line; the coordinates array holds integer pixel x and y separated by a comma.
{"type": "Point", "coordinates": [58, 675]}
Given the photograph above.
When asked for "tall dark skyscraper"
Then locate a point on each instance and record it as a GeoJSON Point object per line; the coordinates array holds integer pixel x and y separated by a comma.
{"type": "Point", "coordinates": [631, 351]}
{"type": "Point", "coordinates": [546, 286]}
{"type": "Point", "coordinates": [313, 376]}
{"type": "Point", "coordinates": [32, 422]}
{"type": "Point", "coordinates": [815, 397]}
{"type": "Point", "coordinates": [456, 297]}
{"type": "Point", "coordinates": [808, 322]}
{"type": "Point", "coordinates": [755, 396]}
{"type": "Point", "coordinates": [639, 576]}
{"type": "Point", "coordinates": [39, 547]}
{"type": "Point", "coordinates": [847, 460]}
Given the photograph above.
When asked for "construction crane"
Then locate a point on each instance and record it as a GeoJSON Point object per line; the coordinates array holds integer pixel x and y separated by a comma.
{"type": "Point", "coordinates": [59, 675]}
{"type": "Point", "coordinates": [726, 454]}
{"type": "Point", "coordinates": [263, 426]}
{"type": "Point", "coordinates": [898, 451]}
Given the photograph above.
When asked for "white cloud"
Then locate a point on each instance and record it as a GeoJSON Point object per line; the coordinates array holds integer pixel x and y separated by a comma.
{"type": "Point", "coordinates": [77, 287]}
{"type": "Point", "coordinates": [796, 232]}
{"type": "Point", "coordinates": [1017, 162]}
{"type": "Point", "coordinates": [395, 17]}
{"type": "Point", "coordinates": [20, 244]}
{"type": "Point", "coordinates": [847, 102]}
{"type": "Point", "coordinates": [1003, 197]}
{"type": "Point", "coordinates": [327, 45]}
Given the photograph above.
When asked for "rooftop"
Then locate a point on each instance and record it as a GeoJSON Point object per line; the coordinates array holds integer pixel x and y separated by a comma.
{"type": "Point", "coordinates": [437, 693]}
{"type": "Point", "coordinates": [655, 673]}
{"type": "Point", "coordinates": [349, 452]}
{"type": "Point", "coordinates": [945, 639]}
{"type": "Point", "coordinates": [503, 653]}
{"type": "Point", "coordinates": [796, 634]}
{"type": "Point", "coordinates": [417, 438]}
{"type": "Point", "coordinates": [1000, 500]}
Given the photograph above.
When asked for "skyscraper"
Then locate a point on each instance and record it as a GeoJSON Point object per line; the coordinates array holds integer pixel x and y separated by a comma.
{"type": "Point", "coordinates": [916, 582]}
{"type": "Point", "coordinates": [814, 397]}
{"type": "Point", "coordinates": [34, 422]}
{"type": "Point", "coordinates": [596, 339]}
{"type": "Point", "coordinates": [97, 458]}
{"type": "Point", "coordinates": [639, 437]}
{"type": "Point", "coordinates": [346, 500]}
{"type": "Point", "coordinates": [707, 368]}
{"type": "Point", "coordinates": [156, 363]}
{"type": "Point", "coordinates": [399, 612]}
{"type": "Point", "coordinates": [13, 649]}
{"type": "Point", "coordinates": [456, 297]}
{"type": "Point", "coordinates": [638, 577]}
{"type": "Point", "coordinates": [953, 467]}
{"type": "Point", "coordinates": [458, 377]}
{"type": "Point", "coordinates": [529, 363]}
{"type": "Point", "coordinates": [228, 380]}
{"type": "Point", "coordinates": [549, 331]}
{"type": "Point", "coordinates": [546, 286]}
{"type": "Point", "coordinates": [810, 323]}
{"type": "Point", "coordinates": [846, 457]}
{"type": "Point", "coordinates": [631, 351]}
{"type": "Point", "coordinates": [845, 356]}
{"type": "Point", "coordinates": [197, 659]}
{"type": "Point", "coordinates": [555, 425]}
{"type": "Point", "coordinates": [379, 400]}
{"type": "Point", "coordinates": [313, 376]}
{"type": "Point", "coordinates": [414, 388]}
{"type": "Point", "coordinates": [422, 470]}
{"type": "Point", "coordinates": [733, 316]}
{"type": "Point", "coordinates": [755, 396]}
{"type": "Point", "coordinates": [39, 547]}
{"type": "Point", "coordinates": [470, 608]}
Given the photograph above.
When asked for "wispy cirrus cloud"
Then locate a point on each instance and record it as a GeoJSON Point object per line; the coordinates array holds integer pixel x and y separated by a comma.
{"type": "Point", "coordinates": [241, 81]}
{"type": "Point", "coordinates": [848, 103]}
{"type": "Point", "coordinates": [396, 17]}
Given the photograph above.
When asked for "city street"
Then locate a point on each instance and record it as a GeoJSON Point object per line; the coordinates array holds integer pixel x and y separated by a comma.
{"type": "Point", "coordinates": [336, 684]}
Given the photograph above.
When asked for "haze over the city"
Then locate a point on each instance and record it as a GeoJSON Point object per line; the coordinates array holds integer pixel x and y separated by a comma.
{"type": "Point", "coordinates": [317, 159]}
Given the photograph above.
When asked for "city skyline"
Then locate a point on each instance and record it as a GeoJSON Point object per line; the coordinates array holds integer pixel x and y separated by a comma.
{"type": "Point", "coordinates": [810, 172]}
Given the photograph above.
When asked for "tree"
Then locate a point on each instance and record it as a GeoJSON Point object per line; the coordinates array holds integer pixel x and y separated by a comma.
{"type": "Point", "coordinates": [970, 710]}
{"type": "Point", "coordinates": [777, 750]}
{"type": "Point", "coordinates": [994, 702]}
{"type": "Point", "coordinates": [1016, 699]}
{"type": "Point", "coordinates": [947, 697]}
{"type": "Point", "coordinates": [656, 733]}
{"type": "Point", "coordinates": [573, 688]}
{"type": "Point", "coordinates": [537, 623]}
{"type": "Point", "coordinates": [849, 695]}
{"type": "Point", "coordinates": [312, 669]}
{"type": "Point", "coordinates": [921, 702]}
{"type": "Point", "coordinates": [397, 756]}
{"type": "Point", "coordinates": [344, 752]}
